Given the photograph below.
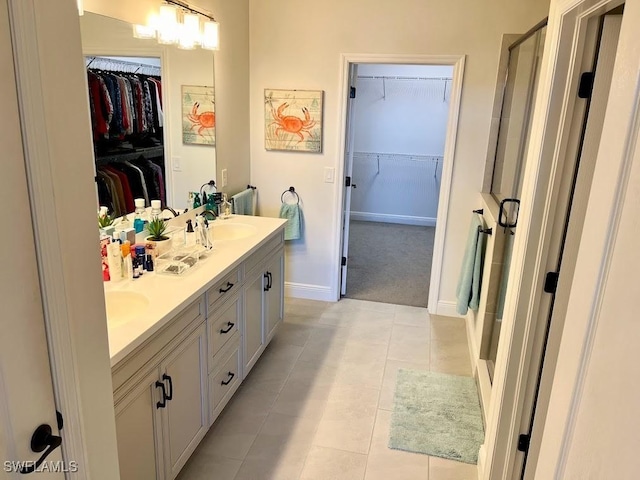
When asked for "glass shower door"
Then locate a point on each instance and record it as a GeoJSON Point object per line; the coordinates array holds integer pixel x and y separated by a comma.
{"type": "Point", "coordinates": [513, 140]}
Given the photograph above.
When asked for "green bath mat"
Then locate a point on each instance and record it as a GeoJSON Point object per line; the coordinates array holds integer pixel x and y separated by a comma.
{"type": "Point", "coordinates": [438, 415]}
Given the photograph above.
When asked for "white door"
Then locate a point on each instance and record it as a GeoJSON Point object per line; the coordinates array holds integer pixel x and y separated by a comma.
{"type": "Point", "coordinates": [274, 309]}
{"type": "Point", "coordinates": [350, 136]}
{"type": "Point", "coordinates": [253, 313]}
{"type": "Point", "coordinates": [26, 391]}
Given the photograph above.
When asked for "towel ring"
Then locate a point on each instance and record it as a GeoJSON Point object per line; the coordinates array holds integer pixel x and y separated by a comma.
{"type": "Point", "coordinates": [293, 192]}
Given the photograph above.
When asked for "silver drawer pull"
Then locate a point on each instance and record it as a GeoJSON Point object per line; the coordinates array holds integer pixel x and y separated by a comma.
{"type": "Point", "coordinates": [229, 327]}
{"type": "Point", "coordinates": [231, 375]}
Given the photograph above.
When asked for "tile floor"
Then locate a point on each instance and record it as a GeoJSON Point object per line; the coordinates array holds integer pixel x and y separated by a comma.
{"type": "Point", "coordinates": [317, 405]}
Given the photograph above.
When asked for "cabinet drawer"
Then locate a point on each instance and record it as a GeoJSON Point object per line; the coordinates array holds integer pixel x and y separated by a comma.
{"type": "Point", "coordinates": [254, 260]}
{"type": "Point", "coordinates": [224, 382]}
{"type": "Point", "coordinates": [224, 288]}
{"type": "Point", "coordinates": [224, 325]}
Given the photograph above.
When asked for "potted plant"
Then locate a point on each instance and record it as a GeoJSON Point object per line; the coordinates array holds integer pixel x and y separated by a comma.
{"type": "Point", "coordinates": [105, 220]}
{"type": "Point", "coordinates": [161, 242]}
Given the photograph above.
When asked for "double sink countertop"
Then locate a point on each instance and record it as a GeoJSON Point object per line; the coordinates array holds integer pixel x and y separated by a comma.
{"type": "Point", "coordinates": [137, 309]}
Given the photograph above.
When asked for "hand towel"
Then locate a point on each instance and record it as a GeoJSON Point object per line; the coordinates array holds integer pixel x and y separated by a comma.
{"type": "Point", "coordinates": [293, 215]}
{"type": "Point", "coordinates": [243, 202]}
{"type": "Point", "coordinates": [469, 283]}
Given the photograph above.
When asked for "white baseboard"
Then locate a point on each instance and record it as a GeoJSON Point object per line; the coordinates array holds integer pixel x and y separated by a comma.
{"type": "Point", "coordinates": [308, 292]}
{"type": "Point", "coordinates": [388, 218]}
{"type": "Point", "coordinates": [446, 309]}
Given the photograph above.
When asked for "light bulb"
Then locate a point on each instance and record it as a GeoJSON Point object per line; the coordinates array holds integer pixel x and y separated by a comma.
{"type": "Point", "coordinates": [168, 26]}
{"type": "Point", "coordinates": [211, 35]}
{"type": "Point", "coordinates": [144, 32]}
{"type": "Point", "coordinates": [189, 32]}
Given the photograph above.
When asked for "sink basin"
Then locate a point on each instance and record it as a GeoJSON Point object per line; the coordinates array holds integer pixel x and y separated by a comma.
{"type": "Point", "coordinates": [124, 306]}
{"type": "Point", "coordinates": [232, 231]}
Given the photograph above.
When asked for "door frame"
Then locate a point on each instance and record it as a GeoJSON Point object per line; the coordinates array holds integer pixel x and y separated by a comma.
{"type": "Point", "coordinates": [551, 132]}
{"type": "Point", "coordinates": [457, 62]}
{"type": "Point", "coordinates": [48, 59]}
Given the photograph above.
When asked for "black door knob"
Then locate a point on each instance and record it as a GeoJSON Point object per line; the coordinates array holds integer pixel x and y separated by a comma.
{"type": "Point", "coordinates": [42, 439]}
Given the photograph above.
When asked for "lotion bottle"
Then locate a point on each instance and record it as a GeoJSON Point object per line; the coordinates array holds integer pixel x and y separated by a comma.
{"type": "Point", "coordinates": [114, 259]}
{"type": "Point", "coordinates": [126, 260]}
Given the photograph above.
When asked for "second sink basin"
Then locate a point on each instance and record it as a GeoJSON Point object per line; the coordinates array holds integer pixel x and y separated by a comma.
{"type": "Point", "coordinates": [124, 306]}
{"type": "Point", "coordinates": [232, 231]}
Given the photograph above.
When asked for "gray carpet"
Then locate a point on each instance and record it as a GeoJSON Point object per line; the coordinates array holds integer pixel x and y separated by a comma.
{"type": "Point", "coordinates": [390, 263]}
{"type": "Point", "coordinates": [438, 415]}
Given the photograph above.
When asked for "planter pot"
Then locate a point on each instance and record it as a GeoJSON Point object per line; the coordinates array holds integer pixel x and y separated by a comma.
{"type": "Point", "coordinates": [160, 246]}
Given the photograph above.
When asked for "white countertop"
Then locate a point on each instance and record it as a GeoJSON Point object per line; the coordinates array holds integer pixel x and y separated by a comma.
{"type": "Point", "coordinates": [168, 295]}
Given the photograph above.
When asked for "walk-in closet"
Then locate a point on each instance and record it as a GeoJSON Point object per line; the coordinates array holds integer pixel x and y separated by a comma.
{"type": "Point", "coordinates": [399, 130]}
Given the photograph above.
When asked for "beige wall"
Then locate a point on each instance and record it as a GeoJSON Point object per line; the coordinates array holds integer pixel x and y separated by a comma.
{"type": "Point", "coordinates": [298, 46]}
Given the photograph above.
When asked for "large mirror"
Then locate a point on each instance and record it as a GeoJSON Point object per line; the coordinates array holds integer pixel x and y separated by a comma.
{"type": "Point", "coordinates": [152, 114]}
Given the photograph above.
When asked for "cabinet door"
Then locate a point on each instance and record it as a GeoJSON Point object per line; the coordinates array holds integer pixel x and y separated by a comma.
{"type": "Point", "coordinates": [185, 418]}
{"type": "Point", "coordinates": [274, 295]}
{"type": "Point", "coordinates": [253, 311]}
{"type": "Point", "coordinates": [138, 431]}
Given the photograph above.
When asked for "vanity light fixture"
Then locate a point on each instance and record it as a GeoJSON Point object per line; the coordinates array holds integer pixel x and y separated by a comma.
{"type": "Point", "coordinates": [211, 35]}
{"type": "Point", "coordinates": [168, 25]}
{"type": "Point", "coordinates": [186, 32]}
{"type": "Point", "coordinates": [80, 7]}
{"type": "Point", "coordinates": [190, 35]}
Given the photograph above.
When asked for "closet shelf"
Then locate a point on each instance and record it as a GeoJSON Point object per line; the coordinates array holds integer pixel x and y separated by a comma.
{"type": "Point", "coordinates": [127, 156]}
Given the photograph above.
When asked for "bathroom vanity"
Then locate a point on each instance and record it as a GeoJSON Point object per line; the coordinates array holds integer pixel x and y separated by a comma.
{"type": "Point", "coordinates": [180, 347]}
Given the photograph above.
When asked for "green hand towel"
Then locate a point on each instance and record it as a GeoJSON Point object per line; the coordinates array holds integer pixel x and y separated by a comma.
{"type": "Point", "coordinates": [293, 215]}
{"type": "Point", "coordinates": [468, 291]}
{"type": "Point", "coordinates": [243, 202]}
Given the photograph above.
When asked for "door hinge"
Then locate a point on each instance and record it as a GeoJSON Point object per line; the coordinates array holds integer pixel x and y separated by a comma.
{"type": "Point", "coordinates": [551, 282]}
{"type": "Point", "coordinates": [586, 85]}
{"type": "Point", "coordinates": [352, 92]}
{"type": "Point", "coordinates": [344, 261]}
{"type": "Point", "coordinates": [347, 182]}
{"type": "Point", "coordinates": [523, 442]}
{"type": "Point", "coordinates": [60, 420]}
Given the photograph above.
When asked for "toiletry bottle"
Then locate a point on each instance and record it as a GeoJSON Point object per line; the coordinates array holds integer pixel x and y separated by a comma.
{"type": "Point", "coordinates": [114, 259]}
{"type": "Point", "coordinates": [148, 262]}
{"type": "Point", "coordinates": [140, 253]}
{"type": "Point", "coordinates": [139, 220]}
{"type": "Point", "coordinates": [126, 260]}
{"type": "Point", "coordinates": [156, 209]}
{"type": "Point", "coordinates": [189, 235]}
{"type": "Point", "coordinates": [136, 268]}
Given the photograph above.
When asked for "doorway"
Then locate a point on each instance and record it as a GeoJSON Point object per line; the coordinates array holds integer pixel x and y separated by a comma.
{"type": "Point", "coordinates": [400, 120]}
{"type": "Point", "coordinates": [399, 131]}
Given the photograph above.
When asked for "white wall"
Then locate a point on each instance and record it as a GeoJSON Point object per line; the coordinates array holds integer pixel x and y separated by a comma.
{"type": "Point", "coordinates": [299, 46]}
{"type": "Point", "coordinates": [399, 116]}
{"type": "Point", "coordinates": [402, 116]}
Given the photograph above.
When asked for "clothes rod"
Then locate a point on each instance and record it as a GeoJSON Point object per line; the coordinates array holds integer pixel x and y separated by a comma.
{"type": "Point", "coordinates": [367, 77]}
{"type": "Point", "coordinates": [113, 62]}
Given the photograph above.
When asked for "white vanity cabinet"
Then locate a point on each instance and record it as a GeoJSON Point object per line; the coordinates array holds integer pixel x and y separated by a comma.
{"type": "Point", "coordinates": [170, 388]}
{"type": "Point", "coordinates": [264, 300]}
{"type": "Point", "coordinates": [161, 411]}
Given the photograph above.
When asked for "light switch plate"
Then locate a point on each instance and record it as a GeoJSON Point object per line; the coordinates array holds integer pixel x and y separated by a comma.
{"type": "Point", "coordinates": [224, 177]}
{"type": "Point", "coordinates": [175, 162]}
{"type": "Point", "coordinates": [329, 174]}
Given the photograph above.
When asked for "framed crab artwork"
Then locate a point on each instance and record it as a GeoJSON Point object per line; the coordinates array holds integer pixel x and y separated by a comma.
{"type": "Point", "coordinates": [198, 115]}
{"type": "Point", "coordinates": [293, 120]}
